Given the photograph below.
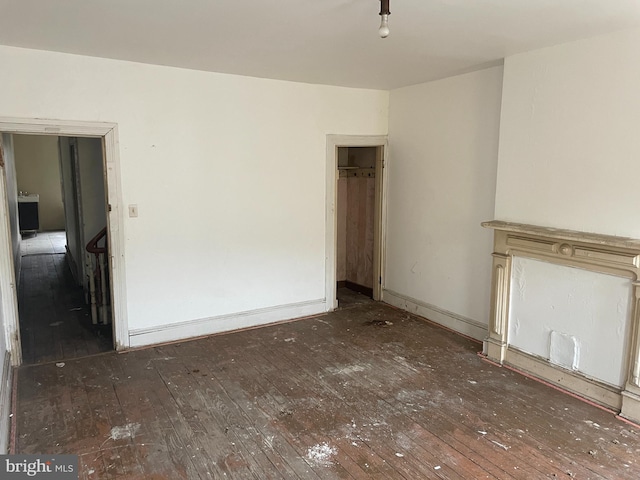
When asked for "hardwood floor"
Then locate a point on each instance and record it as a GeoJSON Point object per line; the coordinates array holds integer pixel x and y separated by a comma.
{"type": "Point", "coordinates": [348, 298]}
{"type": "Point", "coordinates": [55, 322]}
{"type": "Point", "coordinates": [364, 392]}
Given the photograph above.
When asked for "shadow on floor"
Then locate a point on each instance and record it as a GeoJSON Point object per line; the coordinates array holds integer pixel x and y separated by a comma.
{"type": "Point", "coordinates": [350, 298]}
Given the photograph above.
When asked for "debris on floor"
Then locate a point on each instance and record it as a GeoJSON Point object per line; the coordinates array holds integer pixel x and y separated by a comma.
{"type": "Point", "coordinates": [321, 454]}
{"type": "Point", "coordinates": [379, 323]}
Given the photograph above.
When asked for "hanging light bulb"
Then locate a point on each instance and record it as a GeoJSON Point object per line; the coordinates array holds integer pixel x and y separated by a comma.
{"type": "Point", "coordinates": [383, 31]}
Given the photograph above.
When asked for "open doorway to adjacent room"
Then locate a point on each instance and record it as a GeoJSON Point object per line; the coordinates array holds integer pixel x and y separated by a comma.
{"type": "Point", "coordinates": [64, 306]}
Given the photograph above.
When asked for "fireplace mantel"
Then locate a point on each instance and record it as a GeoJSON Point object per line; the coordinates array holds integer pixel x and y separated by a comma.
{"type": "Point", "coordinates": [568, 235]}
{"type": "Point", "coordinates": [607, 254]}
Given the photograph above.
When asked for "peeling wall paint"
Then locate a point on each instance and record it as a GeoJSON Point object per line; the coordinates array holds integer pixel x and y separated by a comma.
{"type": "Point", "coordinates": [576, 318]}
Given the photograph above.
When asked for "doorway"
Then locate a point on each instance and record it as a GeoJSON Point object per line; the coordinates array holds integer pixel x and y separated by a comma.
{"type": "Point", "coordinates": [355, 219]}
{"type": "Point", "coordinates": [356, 208]}
{"type": "Point", "coordinates": [105, 199]}
{"type": "Point", "coordinates": [61, 204]}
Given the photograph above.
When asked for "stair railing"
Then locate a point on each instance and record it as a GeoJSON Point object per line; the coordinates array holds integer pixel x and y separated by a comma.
{"type": "Point", "coordinates": [97, 278]}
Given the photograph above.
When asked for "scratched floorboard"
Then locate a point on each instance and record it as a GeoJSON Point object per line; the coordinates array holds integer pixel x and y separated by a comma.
{"type": "Point", "coordinates": [365, 392]}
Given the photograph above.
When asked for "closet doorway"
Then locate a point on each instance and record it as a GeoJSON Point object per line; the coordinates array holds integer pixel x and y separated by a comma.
{"type": "Point", "coordinates": [359, 194]}
{"type": "Point", "coordinates": [337, 211]}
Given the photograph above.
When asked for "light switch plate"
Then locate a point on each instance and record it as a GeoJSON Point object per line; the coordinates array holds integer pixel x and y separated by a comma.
{"type": "Point", "coordinates": [133, 211]}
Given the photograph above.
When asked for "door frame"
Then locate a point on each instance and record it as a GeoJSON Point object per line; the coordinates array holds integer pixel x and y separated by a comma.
{"type": "Point", "coordinates": [331, 218]}
{"type": "Point", "coordinates": [115, 225]}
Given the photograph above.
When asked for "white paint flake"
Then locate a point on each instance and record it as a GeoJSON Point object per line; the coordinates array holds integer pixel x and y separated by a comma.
{"type": "Point", "coordinates": [500, 445]}
{"type": "Point", "coordinates": [125, 431]}
{"type": "Point", "coordinates": [346, 370]}
{"type": "Point", "coordinates": [321, 454]}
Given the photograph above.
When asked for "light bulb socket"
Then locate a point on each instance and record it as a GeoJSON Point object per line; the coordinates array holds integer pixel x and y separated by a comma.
{"type": "Point", "coordinates": [384, 7]}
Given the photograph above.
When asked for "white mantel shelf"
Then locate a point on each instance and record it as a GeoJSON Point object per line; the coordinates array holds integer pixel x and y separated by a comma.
{"type": "Point", "coordinates": [595, 252]}
{"type": "Point", "coordinates": [563, 234]}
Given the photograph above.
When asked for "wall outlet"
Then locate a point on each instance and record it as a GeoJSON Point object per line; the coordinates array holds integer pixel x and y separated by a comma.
{"type": "Point", "coordinates": [133, 211]}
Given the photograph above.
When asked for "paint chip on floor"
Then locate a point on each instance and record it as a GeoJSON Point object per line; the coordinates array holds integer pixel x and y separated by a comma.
{"type": "Point", "coordinates": [346, 370]}
{"type": "Point", "coordinates": [321, 454]}
{"type": "Point", "coordinates": [504, 447]}
{"type": "Point", "coordinates": [126, 431]}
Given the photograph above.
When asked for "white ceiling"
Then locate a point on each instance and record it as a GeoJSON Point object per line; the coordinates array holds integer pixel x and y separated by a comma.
{"type": "Point", "coordinates": [317, 41]}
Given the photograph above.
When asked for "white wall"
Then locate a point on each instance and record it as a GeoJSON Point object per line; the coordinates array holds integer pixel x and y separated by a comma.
{"type": "Point", "coordinates": [94, 213]}
{"type": "Point", "coordinates": [569, 142]}
{"type": "Point", "coordinates": [568, 158]}
{"type": "Point", "coordinates": [228, 173]}
{"type": "Point", "coordinates": [75, 257]}
{"type": "Point", "coordinates": [38, 171]}
{"type": "Point", "coordinates": [86, 181]}
{"type": "Point", "coordinates": [591, 308]}
{"type": "Point", "coordinates": [92, 186]}
{"type": "Point", "coordinates": [443, 139]}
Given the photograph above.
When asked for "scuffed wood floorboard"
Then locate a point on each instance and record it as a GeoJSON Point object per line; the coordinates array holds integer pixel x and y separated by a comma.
{"type": "Point", "coordinates": [365, 392]}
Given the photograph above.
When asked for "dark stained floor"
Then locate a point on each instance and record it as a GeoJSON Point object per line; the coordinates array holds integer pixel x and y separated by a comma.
{"type": "Point", "coordinates": [348, 298]}
{"type": "Point", "coordinates": [55, 322]}
{"type": "Point", "coordinates": [363, 392]}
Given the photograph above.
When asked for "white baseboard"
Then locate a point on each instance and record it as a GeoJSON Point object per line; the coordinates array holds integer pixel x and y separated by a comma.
{"type": "Point", "coordinates": [451, 320]}
{"type": "Point", "coordinates": [224, 323]}
{"type": "Point", "coordinates": [5, 403]}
